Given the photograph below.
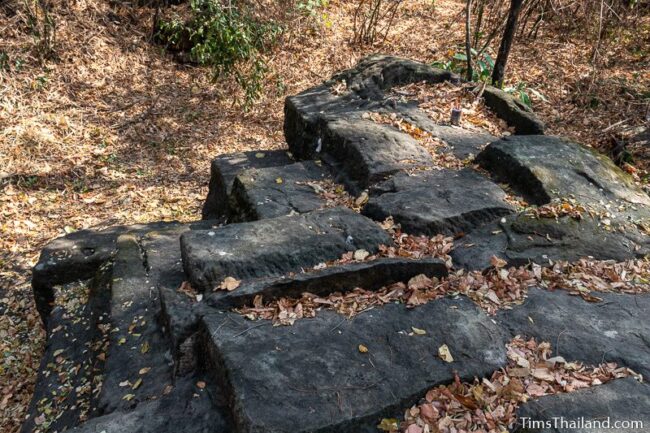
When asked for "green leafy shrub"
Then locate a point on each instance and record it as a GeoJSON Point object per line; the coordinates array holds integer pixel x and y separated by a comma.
{"type": "Point", "coordinates": [483, 65]}
{"type": "Point", "coordinates": [225, 38]}
{"type": "Point", "coordinates": [482, 72]}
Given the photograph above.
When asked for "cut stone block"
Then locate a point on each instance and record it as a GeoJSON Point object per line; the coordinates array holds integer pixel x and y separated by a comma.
{"type": "Point", "coordinates": [276, 191]}
{"type": "Point", "coordinates": [444, 201]}
{"type": "Point", "coordinates": [543, 168]}
{"type": "Point", "coordinates": [369, 152]}
{"type": "Point", "coordinates": [590, 410]}
{"type": "Point", "coordinates": [306, 114]}
{"type": "Point", "coordinates": [223, 171]}
{"type": "Point", "coordinates": [187, 409]}
{"type": "Point", "coordinates": [77, 256]}
{"type": "Point", "coordinates": [514, 112]}
{"type": "Point", "coordinates": [522, 239]}
{"type": "Point", "coordinates": [136, 340]}
{"type": "Point", "coordinates": [371, 275]}
{"type": "Point", "coordinates": [462, 143]}
{"type": "Point", "coordinates": [66, 369]}
{"type": "Point", "coordinates": [614, 330]}
{"type": "Point", "coordinates": [276, 246]}
{"type": "Point", "coordinates": [313, 377]}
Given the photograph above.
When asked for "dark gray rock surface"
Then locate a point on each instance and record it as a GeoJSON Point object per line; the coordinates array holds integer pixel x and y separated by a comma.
{"type": "Point", "coordinates": [370, 152]}
{"type": "Point", "coordinates": [620, 400]}
{"type": "Point", "coordinates": [186, 409]}
{"type": "Point", "coordinates": [275, 246]}
{"type": "Point", "coordinates": [314, 375]}
{"type": "Point", "coordinates": [542, 168]}
{"type": "Point", "coordinates": [223, 170]}
{"type": "Point", "coordinates": [77, 256]}
{"type": "Point", "coordinates": [136, 340]}
{"type": "Point", "coordinates": [614, 330]}
{"type": "Point", "coordinates": [260, 193]}
{"type": "Point", "coordinates": [307, 113]}
{"type": "Point", "coordinates": [371, 275]}
{"type": "Point", "coordinates": [614, 223]}
{"type": "Point", "coordinates": [154, 348]}
{"type": "Point", "coordinates": [438, 201]}
{"type": "Point", "coordinates": [522, 239]}
{"type": "Point", "coordinates": [514, 112]}
{"type": "Point", "coordinates": [70, 387]}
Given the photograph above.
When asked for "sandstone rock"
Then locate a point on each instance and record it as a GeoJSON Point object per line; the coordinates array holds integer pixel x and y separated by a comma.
{"type": "Point", "coordinates": [314, 374]}
{"type": "Point", "coordinates": [77, 256]}
{"type": "Point", "coordinates": [186, 409]}
{"type": "Point", "coordinates": [620, 400]}
{"type": "Point", "coordinates": [369, 152]}
{"type": "Point", "coordinates": [370, 275]}
{"type": "Point", "coordinates": [515, 113]}
{"type": "Point", "coordinates": [223, 171]}
{"type": "Point", "coordinates": [275, 246]}
{"type": "Point", "coordinates": [543, 168]}
{"type": "Point", "coordinates": [443, 201]}
{"type": "Point", "coordinates": [276, 191]}
{"type": "Point", "coordinates": [307, 113]}
{"type": "Point", "coordinates": [522, 239]}
{"type": "Point", "coordinates": [614, 330]}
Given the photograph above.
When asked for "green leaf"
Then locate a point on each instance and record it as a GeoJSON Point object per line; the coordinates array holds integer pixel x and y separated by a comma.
{"type": "Point", "coordinates": [389, 425]}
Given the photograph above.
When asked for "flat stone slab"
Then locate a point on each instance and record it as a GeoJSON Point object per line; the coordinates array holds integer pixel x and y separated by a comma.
{"type": "Point", "coordinates": [438, 201]}
{"type": "Point", "coordinates": [260, 193]}
{"type": "Point", "coordinates": [276, 246]}
{"type": "Point", "coordinates": [307, 113]}
{"type": "Point", "coordinates": [225, 168]}
{"type": "Point", "coordinates": [315, 376]}
{"type": "Point", "coordinates": [462, 143]}
{"type": "Point", "coordinates": [369, 152]}
{"type": "Point", "coordinates": [614, 330]}
{"type": "Point", "coordinates": [591, 410]}
{"type": "Point", "coordinates": [78, 256]}
{"type": "Point", "coordinates": [187, 409]}
{"type": "Point", "coordinates": [371, 275]}
{"type": "Point", "coordinates": [543, 168]}
{"type": "Point", "coordinates": [522, 239]}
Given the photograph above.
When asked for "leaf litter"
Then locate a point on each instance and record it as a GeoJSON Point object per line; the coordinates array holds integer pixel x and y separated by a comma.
{"type": "Point", "coordinates": [490, 405]}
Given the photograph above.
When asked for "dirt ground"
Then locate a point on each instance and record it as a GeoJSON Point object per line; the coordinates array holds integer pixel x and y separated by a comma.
{"type": "Point", "coordinates": [115, 131]}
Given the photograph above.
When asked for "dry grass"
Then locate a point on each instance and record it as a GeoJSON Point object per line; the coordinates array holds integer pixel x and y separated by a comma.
{"type": "Point", "coordinates": [114, 131]}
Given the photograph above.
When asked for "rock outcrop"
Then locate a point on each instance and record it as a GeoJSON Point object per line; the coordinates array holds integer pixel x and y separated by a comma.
{"type": "Point", "coordinates": [144, 331]}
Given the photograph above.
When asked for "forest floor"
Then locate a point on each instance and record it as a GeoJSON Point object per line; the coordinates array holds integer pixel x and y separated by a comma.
{"type": "Point", "coordinates": [114, 131]}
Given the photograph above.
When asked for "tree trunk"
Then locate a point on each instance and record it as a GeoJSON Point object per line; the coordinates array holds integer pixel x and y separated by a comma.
{"type": "Point", "coordinates": [468, 40]}
{"type": "Point", "coordinates": [506, 43]}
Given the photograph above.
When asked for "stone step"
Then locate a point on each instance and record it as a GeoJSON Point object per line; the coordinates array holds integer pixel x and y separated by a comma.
{"type": "Point", "coordinates": [461, 143]}
{"type": "Point", "coordinates": [522, 239]}
{"type": "Point", "coordinates": [260, 193]}
{"type": "Point", "coordinates": [275, 246]}
{"type": "Point", "coordinates": [225, 168]}
{"type": "Point", "coordinates": [66, 387]}
{"type": "Point", "coordinates": [136, 339]}
{"type": "Point", "coordinates": [369, 152]}
{"type": "Point", "coordinates": [542, 168]}
{"type": "Point", "coordinates": [77, 256]}
{"type": "Point", "coordinates": [613, 218]}
{"type": "Point", "coordinates": [186, 409]}
{"type": "Point", "coordinates": [614, 330]}
{"type": "Point", "coordinates": [371, 275]}
{"type": "Point", "coordinates": [620, 400]}
{"type": "Point", "coordinates": [331, 374]}
{"type": "Point", "coordinates": [307, 113]}
{"type": "Point", "coordinates": [438, 201]}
